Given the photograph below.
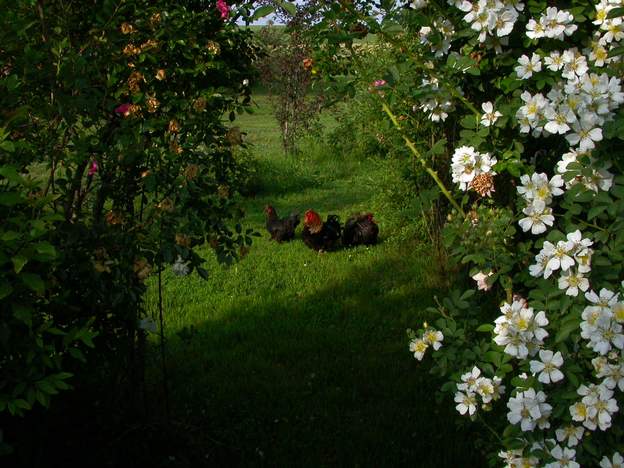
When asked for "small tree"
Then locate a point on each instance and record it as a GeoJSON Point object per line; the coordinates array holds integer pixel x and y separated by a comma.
{"type": "Point", "coordinates": [285, 71]}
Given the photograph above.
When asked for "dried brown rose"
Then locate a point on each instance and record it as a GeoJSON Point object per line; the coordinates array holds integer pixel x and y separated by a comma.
{"type": "Point", "coordinates": [127, 28]}
{"type": "Point", "coordinates": [174, 126]}
{"type": "Point", "coordinates": [134, 81]}
{"type": "Point", "coordinates": [191, 171]}
{"type": "Point", "coordinates": [152, 104]}
{"type": "Point", "coordinates": [130, 50]}
{"type": "Point", "coordinates": [483, 184]}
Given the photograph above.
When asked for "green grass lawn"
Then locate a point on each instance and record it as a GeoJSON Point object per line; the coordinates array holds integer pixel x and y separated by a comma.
{"type": "Point", "coordinates": [290, 358]}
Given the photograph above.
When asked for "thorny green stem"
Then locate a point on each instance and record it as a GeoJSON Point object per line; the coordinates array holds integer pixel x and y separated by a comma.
{"type": "Point", "coordinates": [441, 309]}
{"type": "Point", "coordinates": [412, 147]}
{"type": "Point", "coordinates": [466, 102]}
{"type": "Point", "coordinates": [484, 422]}
{"type": "Point", "coordinates": [594, 225]}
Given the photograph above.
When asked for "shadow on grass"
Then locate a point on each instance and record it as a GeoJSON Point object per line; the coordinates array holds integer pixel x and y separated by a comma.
{"type": "Point", "coordinates": [322, 379]}
{"type": "Point", "coordinates": [281, 377]}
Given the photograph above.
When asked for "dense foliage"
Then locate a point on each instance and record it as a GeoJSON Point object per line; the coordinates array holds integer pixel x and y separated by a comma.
{"type": "Point", "coordinates": [525, 101]}
{"type": "Point", "coordinates": [115, 160]}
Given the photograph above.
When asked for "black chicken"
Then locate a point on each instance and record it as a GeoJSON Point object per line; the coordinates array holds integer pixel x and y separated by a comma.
{"type": "Point", "coordinates": [360, 230]}
{"type": "Point", "coordinates": [281, 229]}
{"type": "Point", "coordinates": [318, 235]}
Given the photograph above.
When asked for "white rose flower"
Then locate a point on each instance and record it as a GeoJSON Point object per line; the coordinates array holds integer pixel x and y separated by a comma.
{"type": "Point", "coordinates": [548, 366]}
{"type": "Point", "coordinates": [527, 66]}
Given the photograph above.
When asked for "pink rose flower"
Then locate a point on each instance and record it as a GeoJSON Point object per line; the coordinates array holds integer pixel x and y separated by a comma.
{"type": "Point", "coordinates": [123, 109]}
{"type": "Point", "coordinates": [93, 168]}
{"type": "Point", "coordinates": [223, 8]}
{"type": "Point", "coordinates": [378, 83]}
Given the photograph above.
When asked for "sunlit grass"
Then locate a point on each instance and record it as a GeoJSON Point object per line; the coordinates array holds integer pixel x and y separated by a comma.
{"type": "Point", "coordinates": [291, 358]}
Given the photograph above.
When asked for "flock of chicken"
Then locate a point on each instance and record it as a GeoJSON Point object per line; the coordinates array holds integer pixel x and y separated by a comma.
{"type": "Point", "coordinates": [323, 236]}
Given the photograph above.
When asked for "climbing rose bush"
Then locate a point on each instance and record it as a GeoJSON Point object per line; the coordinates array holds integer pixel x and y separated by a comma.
{"type": "Point", "coordinates": [115, 161]}
{"type": "Point", "coordinates": [527, 98]}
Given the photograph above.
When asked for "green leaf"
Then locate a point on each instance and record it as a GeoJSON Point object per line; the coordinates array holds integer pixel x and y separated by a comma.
{"type": "Point", "coordinates": [595, 211]}
{"type": "Point", "coordinates": [485, 328]}
{"type": "Point", "coordinates": [21, 404]}
{"type": "Point", "coordinates": [23, 314]}
{"type": "Point", "coordinates": [290, 8]}
{"type": "Point", "coordinates": [468, 294]}
{"type": "Point", "coordinates": [392, 28]}
{"type": "Point", "coordinates": [45, 248]}
{"type": "Point", "coordinates": [469, 122]}
{"type": "Point", "coordinates": [10, 173]}
{"type": "Point", "coordinates": [262, 12]}
{"type": "Point", "coordinates": [9, 236]}
{"type": "Point", "coordinates": [42, 398]}
{"type": "Point", "coordinates": [18, 263]}
{"type": "Point", "coordinates": [34, 282]}
{"type": "Point", "coordinates": [46, 387]}
{"type": "Point", "coordinates": [566, 328]}
{"type": "Point", "coordinates": [10, 198]}
{"type": "Point", "coordinates": [493, 357]}
{"type": "Point", "coordinates": [439, 147]}
{"type": "Point", "coordinates": [615, 13]}
{"type": "Point", "coordinates": [5, 290]}
{"type": "Point", "coordinates": [63, 375]}
{"type": "Point", "coordinates": [77, 354]}
{"type": "Point", "coordinates": [616, 51]}
{"type": "Point", "coordinates": [7, 146]}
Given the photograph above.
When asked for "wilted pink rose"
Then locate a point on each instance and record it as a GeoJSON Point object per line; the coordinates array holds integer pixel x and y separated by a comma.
{"type": "Point", "coordinates": [481, 279]}
{"type": "Point", "coordinates": [378, 83]}
{"type": "Point", "coordinates": [223, 8]}
{"type": "Point", "coordinates": [93, 168]}
{"type": "Point", "coordinates": [123, 109]}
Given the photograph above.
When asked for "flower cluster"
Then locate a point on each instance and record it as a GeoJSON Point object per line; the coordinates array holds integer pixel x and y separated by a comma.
{"type": "Point", "coordinates": [468, 163]}
{"type": "Point", "coordinates": [612, 33]}
{"type": "Point", "coordinates": [570, 100]}
{"type": "Point", "coordinates": [537, 191]}
{"type": "Point", "coordinates": [430, 337]}
{"type": "Point", "coordinates": [553, 24]}
{"type": "Point", "coordinates": [599, 179]}
{"type": "Point", "coordinates": [490, 19]}
{"type": "Point", "coordinates": [595, 408]}
{"type": "Point", "coordinates": [473, 386]}
{"type": "Point", "coordinates": [520, 330]}
{"type": "Point", "coordinates": [572, 257]}
{"type": "Point", "coordinates": [529, 409]}
{"type": "Point", "coordinates": [437, 108]}
{"type": "Point", "coordinates": [602, 322]}
{"type": "Point", "coordinates": [611, 371]}
{"type": "Point", "coordinates": [576, 107]}
{"type": "Point", "coordinates": [441, 26]}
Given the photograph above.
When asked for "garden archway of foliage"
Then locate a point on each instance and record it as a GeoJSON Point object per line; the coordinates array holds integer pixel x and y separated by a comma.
{"type": "Point", "coordinates": [512, 110]}
{"type": "Point", "coordinates": [115, 161]}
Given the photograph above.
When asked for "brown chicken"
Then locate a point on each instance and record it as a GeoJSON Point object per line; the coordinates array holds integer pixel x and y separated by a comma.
{"type": "Point", "coordinates": [360, 230]}
{"type": "Point", "coordinates": [281, 230]}
{"type": "Point", "coordinates": [318, 235]}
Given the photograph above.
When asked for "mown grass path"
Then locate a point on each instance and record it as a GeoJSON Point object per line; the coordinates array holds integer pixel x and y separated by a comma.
{"type": "Point", "coordinates": [290, 358]}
